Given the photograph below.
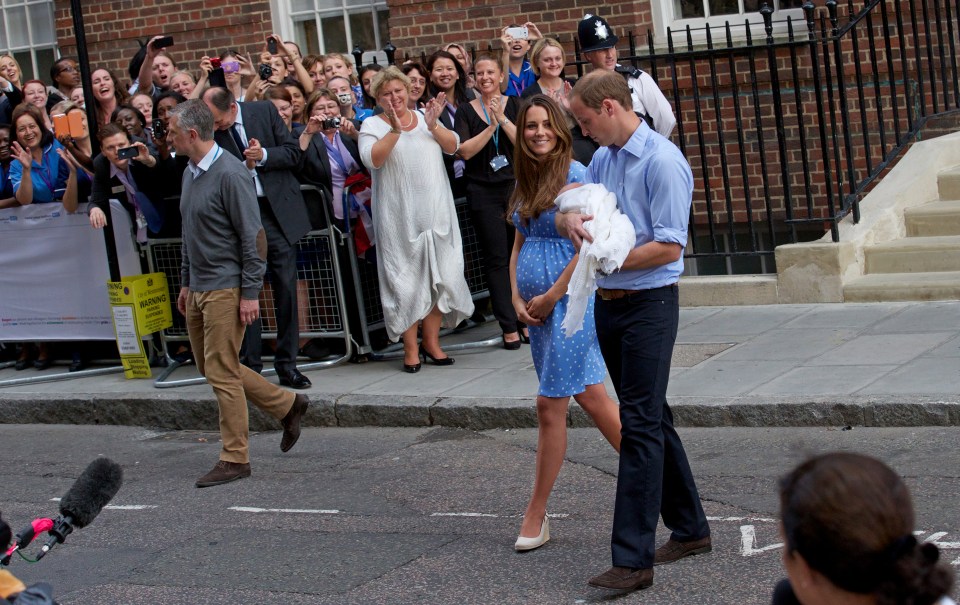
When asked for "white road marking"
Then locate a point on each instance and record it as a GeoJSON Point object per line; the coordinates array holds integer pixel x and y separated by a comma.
{"type": "Point", "coordinates": [130, 506]}
{"type": "Point", "coordinates": [292, 511]}
{"type": "Point", "coordinates": [120, 506]}
{"type": "Point", "coordinates": [755, 519]}
{"type": "Point", "coordinates": [748, 542]}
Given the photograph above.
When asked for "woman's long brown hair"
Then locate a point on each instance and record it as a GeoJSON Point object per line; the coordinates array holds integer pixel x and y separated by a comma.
{"type": "Point", "coordinates": [540, 179]}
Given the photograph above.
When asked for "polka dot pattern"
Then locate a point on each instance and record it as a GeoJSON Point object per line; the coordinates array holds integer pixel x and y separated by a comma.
{"type": "Point", "coordinates": [565, 366]}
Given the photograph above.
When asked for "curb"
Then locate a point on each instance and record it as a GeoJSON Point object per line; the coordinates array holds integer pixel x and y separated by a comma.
{"type": "Point", "coordinates": [174, 412]}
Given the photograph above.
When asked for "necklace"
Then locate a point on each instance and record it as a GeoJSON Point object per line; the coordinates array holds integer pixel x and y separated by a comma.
{"type": "Point", "coordinates": [409, 122]}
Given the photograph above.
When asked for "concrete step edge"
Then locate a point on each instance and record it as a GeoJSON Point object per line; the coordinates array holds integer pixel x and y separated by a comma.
{"type": "Point", "coordinates": [482, 414]}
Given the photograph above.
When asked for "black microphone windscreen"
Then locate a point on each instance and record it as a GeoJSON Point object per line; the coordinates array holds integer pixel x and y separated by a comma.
{"type": "Point", "coordinates": [5, 535]}
{"type": "Point", "coordinates": [94, 488]}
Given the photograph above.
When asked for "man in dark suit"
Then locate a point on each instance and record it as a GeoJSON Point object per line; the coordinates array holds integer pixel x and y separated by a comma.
{"type": "Point", "coordinates": [257, 135]}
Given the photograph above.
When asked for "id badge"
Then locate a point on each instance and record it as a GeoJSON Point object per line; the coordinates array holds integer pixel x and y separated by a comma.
{"type": "Point", "coordinates": [499, 162]}
{"type": "Point", "coordinates": [141, 221]}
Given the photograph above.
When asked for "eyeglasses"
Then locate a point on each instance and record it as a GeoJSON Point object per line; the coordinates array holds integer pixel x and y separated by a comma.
{"type": "Point", "coordinates": [66, 70]}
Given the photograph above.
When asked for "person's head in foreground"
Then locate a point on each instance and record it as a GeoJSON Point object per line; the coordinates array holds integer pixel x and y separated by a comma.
{"type": "Point", "coordinates": [847, 522]}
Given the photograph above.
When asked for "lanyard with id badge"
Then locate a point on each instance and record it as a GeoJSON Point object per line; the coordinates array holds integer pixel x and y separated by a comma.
{"type": "Point", "coordinates": [500, 160]}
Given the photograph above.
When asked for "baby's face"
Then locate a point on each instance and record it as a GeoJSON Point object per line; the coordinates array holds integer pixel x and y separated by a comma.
{"type": "Point", "coordinates": [570, 186]}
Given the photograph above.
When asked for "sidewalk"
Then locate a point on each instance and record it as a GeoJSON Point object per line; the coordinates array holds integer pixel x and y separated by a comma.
{"type": "Point", "coordinates": [880, 364]}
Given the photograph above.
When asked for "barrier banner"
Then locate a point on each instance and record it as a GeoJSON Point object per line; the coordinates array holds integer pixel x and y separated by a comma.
{"type": "Point", "coordinates": [53, 267]}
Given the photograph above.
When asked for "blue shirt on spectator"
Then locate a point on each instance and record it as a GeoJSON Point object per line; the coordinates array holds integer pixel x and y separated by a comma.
{"type": "Point", "coordinates": [654, 188]}
{"type": "Point", "coordinates": [47, 176]}
{"type": "Point", "coordinates": [517, 83]}
{"type": "Point", "coordinates": [6, 187]}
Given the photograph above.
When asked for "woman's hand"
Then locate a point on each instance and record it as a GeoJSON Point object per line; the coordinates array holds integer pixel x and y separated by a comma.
{"type": "Point", "coordinates": [98, 220]}
{"type": "Point", "coordinates": [540, 307]}
{"type": "Point", "coordinates": [505, 39]}
{"type": "Point", "coordinates": [434, 109]}
{"type": "Point", "coordinates": [347, 128]}
{"type": "Point", "coordinates": [314, 125]}
{"type": "Point", "coordinates": [205, 64]}
{"type": "Point", "coordinates": [533, 32]}
{"type": "Point", "coordinates": [281, 47]}
{"type": "Point", "coordinates": [392, 118]}
{"type": "Point", "coordinates": [246, 65]}
{"type": "Point", "coordinates": [71, 161]}
{"type": "Point", "coordinates": [22, 155]}
{"type": "Point", "coordinates": [496, 112]}
{"type": "Point", "coordinates": [520, 306]}
{"type": "Point", "coordinates": [66, 140]}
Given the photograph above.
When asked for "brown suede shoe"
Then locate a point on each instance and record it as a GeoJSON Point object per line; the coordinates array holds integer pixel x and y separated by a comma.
{"type": "Point", "coordinates": [224, 472]}
{"type": "Point", "coordinates": [291, 422]}
{"type": "Point", "coordinates": [674, 551]}
{"type": "Point", "coordinates": [623, 578]}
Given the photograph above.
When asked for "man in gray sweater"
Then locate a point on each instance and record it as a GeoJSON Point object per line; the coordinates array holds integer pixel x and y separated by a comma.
{"type": "Point", "coordinates": [224, 258]}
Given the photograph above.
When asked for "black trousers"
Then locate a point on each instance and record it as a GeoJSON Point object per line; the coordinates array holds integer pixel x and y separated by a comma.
{"type": "Point", "coordinates": [636, 335]}
{"type": "Point", "coordinates": [282, 263]}
{"type": "Point", "coordinates": [488, 212]}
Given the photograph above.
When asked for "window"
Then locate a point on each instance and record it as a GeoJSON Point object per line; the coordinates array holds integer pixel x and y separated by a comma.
{"type": "Point", "coordinates": [27, 32]}
{"type": "Point", "coordinates": [698, 14]}
{"type": "Point", "coordinates": [322, 26]}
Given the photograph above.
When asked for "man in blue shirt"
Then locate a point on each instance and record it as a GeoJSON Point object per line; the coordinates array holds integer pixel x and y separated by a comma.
{"type": "Point", "coordinates": [637, 312]}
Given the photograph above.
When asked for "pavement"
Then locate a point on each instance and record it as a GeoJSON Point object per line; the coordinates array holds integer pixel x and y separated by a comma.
{"type": "Point", "coordinates": [872, 364]}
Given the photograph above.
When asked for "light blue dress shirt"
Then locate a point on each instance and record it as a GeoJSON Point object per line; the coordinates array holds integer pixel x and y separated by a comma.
{"type": "Point", "coordinates": [654, 188]}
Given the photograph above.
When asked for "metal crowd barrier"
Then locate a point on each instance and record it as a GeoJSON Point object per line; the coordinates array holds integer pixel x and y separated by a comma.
{"type": "Point", "coordinates": [367, 286]}
{"type": "Point", "coordinates": [320, 294]}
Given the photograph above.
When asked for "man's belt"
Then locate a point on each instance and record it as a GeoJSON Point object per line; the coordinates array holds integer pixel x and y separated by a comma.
{"type": "Point", "coordinates": [608, 294]}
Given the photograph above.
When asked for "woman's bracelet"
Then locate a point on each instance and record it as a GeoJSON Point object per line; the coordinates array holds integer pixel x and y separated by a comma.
{"type": "Point", "coordinates": [395, 130]}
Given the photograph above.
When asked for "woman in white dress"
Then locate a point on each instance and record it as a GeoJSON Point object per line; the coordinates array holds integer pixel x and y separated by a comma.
{"type": "Point", "coordinates": [420, 263]}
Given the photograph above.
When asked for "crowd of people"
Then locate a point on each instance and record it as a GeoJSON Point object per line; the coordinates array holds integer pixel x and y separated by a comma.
{"type": "Point", "coordinates": [216, 157]}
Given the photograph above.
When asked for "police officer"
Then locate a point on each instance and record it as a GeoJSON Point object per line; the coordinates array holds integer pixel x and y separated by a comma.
{"type": "Point", "coordinates": [598, 44]}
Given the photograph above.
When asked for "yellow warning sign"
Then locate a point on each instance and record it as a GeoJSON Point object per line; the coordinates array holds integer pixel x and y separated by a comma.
{"type": "Point", "coordinates": [140, 305]}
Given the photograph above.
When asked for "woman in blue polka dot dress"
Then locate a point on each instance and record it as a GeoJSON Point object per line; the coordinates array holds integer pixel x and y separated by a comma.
{"type": "Point", "coordinates": [540, 269]}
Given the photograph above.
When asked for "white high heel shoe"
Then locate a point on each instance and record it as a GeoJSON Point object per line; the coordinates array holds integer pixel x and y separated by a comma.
{"type": "Point", "coordinates": [531, 543]}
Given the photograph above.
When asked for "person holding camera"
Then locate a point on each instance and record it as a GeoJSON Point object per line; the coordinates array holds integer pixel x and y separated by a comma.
{"type": "Point", "coordinates": [486, 127]}
{"type": "Point", "coordinates": [341, 87]}
{"type": "Point", "coordinates": [130, 173]}
{"type": "Point", "coordinates": [257, 135]}
{"type": "Point", "coordinates": [515, 43]}
{"type": "Point", "coordinates": [333, 157]}
{"type": "Point", "coordinates": [156, 69]}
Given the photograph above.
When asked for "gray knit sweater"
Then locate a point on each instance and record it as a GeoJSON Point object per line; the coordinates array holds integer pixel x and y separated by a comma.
{"type": "Point", "coordinates": [223, 240]}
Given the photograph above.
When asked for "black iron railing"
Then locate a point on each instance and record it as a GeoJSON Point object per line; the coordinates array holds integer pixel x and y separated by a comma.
{"type": "Point", "coordinates": [787, 132]}
{"type": "Point", "coordinates": [789, 125]}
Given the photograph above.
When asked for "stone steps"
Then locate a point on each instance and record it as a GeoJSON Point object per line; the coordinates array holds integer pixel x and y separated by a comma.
{"type": "Point", "coordinates": [914, 255]}
{"type": "Point", "coordinates": [935, 218]}
{"type": "Point", "coordinates": [882, 287]}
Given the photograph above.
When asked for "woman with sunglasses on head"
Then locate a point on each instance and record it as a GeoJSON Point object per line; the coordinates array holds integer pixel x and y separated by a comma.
{"type": "Point", "coordinates": [541, 265]}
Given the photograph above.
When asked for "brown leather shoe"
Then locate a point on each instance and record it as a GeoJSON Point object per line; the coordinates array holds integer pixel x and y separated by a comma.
{"type": "Point", "coordinates": [291, 422]}
{"type": "Point", "coordinates": [623, 578]}
{"type": "Point", "coordinates": [674, 551]}
{"type": "Point", "coordinates": [224, 472]}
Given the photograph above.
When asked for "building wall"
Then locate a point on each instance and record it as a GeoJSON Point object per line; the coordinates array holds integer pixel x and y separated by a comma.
{"type": "Point", "coordinates": [421, 26]}
{"type": "Point", "coordinates": [198, 28]}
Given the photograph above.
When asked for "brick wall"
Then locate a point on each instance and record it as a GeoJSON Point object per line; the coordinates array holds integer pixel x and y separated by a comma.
{"type": "Point", "coordinates": [421, 26]}
{"type": "Point", "coordinates": [198, 28]}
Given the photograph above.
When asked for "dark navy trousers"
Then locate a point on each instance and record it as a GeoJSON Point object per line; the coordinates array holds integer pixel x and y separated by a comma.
{"type": "Point", "coordinates": [636, 335]}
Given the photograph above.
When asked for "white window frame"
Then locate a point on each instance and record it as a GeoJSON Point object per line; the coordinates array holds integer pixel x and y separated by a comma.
{"type": "Point", "coordinates": [664, 16]}
{"type": "Point", "coordinates": [284, 16]}
{"type": "Point", "coordinates": [32, 45]}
